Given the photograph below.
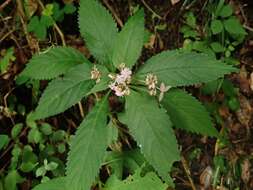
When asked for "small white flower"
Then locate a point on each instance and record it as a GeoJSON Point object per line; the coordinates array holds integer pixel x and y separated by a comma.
{"type": "Point", "coordinates": [95, 74]}
{"type": "Point", "coordinates": [121, 81]}
{"type": "Point", "coordinates": [163, 89]}
{"type": "Point", "coordinates": [151, 81]}
{"type": "Point", "coordinates": [126, 72]}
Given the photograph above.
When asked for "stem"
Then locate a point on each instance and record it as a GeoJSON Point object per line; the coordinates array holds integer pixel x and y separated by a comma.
{"type": "Point", "coordinates": [188, 173]}
{"type": "Point", "coordinates": [55, 25]}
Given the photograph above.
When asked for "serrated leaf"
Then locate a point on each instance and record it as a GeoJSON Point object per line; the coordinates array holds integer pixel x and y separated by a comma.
{"type": "Point", "coordinates": [181, 68]}
{"type": "Point", "coordinates": [53, 184]}
{"type": "Point", "coordinates": [152, 129]}
{"type": "Point", "coordinates": [136, 182]}
{"type": "Point", "coordinates": [188, 113]}
{"type": "Point", "coordinates": [53, 62]}
{"type": "Point", "coordinates": [88, 148]}
{"type": "Point", "coordinates": [62, 93]}
{"type": "Point", "coordinates": [129, 42]}
{"type": "Point", "coordinates": [98, 29]}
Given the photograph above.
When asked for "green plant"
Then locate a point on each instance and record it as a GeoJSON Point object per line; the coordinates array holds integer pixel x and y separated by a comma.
{"type": "Point", "coordinates": [151, 104]}
{"type": "Point", "coordinates": [216, 38]}
{"type": "Point", "coordinates": [51, 14]}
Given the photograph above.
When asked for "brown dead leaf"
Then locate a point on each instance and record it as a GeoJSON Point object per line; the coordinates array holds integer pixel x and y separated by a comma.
{"type": "Point", "coordinates": [31, 6]}
{"type": "Point", "coordinates": [245, 112]}
{"type": "Point", "coordinates": [245, 175]}
{"type": "Point", "coordinates": [151, 42]}
{"type": "Point", "coordinates": [206, 178]}
{"type": "Point", "coordinates": [173, 2]}
{"type": "Point", "coordinates": [251, 81]}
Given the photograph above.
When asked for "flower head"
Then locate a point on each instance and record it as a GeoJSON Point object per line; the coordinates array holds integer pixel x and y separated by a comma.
{"type": "Point", "coordinates": [151, 81]}
{"type": "Point", "coordinates": [121, 81]}
{"type": "Point", "coordinates": [95, 74]}
{"type": "Point", "coordinates": [163, 89]}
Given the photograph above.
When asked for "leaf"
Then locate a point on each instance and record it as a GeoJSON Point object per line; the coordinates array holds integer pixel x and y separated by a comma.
{"type": "Point", "coordinates": [129, 42]}
{"type": "Point", "coordinates": [216, 26]}
{"type": "Point", "coordinates": [12, 179]}
{"type": "Point", "coordinates": [53, 184]}
{"type": "Point", "coordinates": [226, 11]}
{"type": "Point", "coordinates": [62, 93]}
{"type": "Point", "coordinates": [180, 68]}
{"type": "Point", "coordinates": [35, 26]}
{"type": "Point", "coordinates": [217, 47]}
{"type": "Point", "coordinates": [88, 148]}
{"type": "Point", "coordinates": [5, 61]}
{"type": "Point", "coordinates": [152, 129]}
{"type": "Point", "coordinates": [69, 8]}
{"type": "Point", "coordinates": [52, 63]}
{"type": "Point", "coordinates": [188, 113]}
{"type": "Point", "coordinates": [4, 140]}
{"type": "Point", "coordinates": [136, 182]}
{"type": "Point", "coordinates": [233, 26]}
{"type": "Point", "coordinates": [98, 29]}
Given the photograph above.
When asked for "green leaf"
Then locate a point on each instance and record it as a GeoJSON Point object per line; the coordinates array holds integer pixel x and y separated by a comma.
{"type": "Point", "coordinates": [136, 182]}
{"type": "Point", "coordinates": [188, 113]}
{"type": "Point", "coordinates": [152, 129]}
{"type": "Point", "coordinates": [37, 28]}
{"type": "Point", "coordinates": [233, 26]}
{"type": "Point", "coordinates": [98, 29]}
{"type": "Point", "coordinates": [88, 148]}
{"type": "Point", "coordinates": [190, 19]}
{"type": "Point", "coordinates": [62, 93]}
{"type": "Point", "coordinates": [12, 179]}
{"type": "Point", "coordinates": [5, 61]}
{"type": "Point", "coordinates": [15, 131]}
{"type": "Point", "coordinates": [4, 140]}
{"type": "Point", "coordinates": [226, 11]}
{"type": "Point", "coordinates": [53, 62]}
{"type": "Point", "coordinates": [180, 68]}
{"type": "Point", "coordinates": [129, 42]}
{"type": "Point", "coordinates": [217, 47]}
{"type": "Point", "coordinates": [53, 184]}
{"type": "Point", "coordinates": [48, 10]}
{"type": "Point", "coordinates": [216, 26]}
{"type": "Point", "coordinates": [46, 21]}
{"type": "Point", "coordinates": [69, 8]}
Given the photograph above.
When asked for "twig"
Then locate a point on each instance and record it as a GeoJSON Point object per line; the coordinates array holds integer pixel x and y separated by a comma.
{"type": "Point", "coordinates": [55, 26]}
{"type": "Point", "coordinates": [81, 109]}
{"type": "Point", "coordinates": [248, 28]}
{"type": "Point", "coordinates": [4, 4]}
{"type": "Point", "coordinates": [151, 10]}
{"type": "Point", "coordinates": [188, 173]}
{"type": "Point", "coordinates": [6, 35]}
{"type": "Point", "coordinates": [119, 21]}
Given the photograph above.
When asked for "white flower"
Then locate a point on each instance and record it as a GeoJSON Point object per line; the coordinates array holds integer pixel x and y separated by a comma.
{"type": "Point", "coordinates": [121, 81]}
{"type": "Point", "coordinates": [163, 89]}
{"type": "Point", "coordinates": [151, 81]}
{"type": "Point", "coordinates": [95, 74]}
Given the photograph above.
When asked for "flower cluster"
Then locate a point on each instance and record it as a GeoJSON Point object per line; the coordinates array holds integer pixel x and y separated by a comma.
{"type": "Point", "coordinates": [95, 74]}
{"type": "Point", "coordinates": [151, 81]}
{"type": "Point", "coordinates": [121, 82]}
